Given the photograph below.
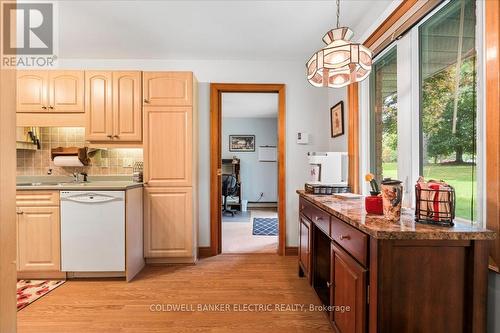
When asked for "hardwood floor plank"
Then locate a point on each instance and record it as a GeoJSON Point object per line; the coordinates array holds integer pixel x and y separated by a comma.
{"type": "Point", "coordinates": [237, 280]}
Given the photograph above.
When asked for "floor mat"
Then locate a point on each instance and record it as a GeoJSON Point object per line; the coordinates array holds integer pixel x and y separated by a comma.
{"type": "Point", "coordinates": [238, 217]}
{"type": "Point", "coordinates": [29, 291]}
{"type": "Point", "coordinates": [265, 226]}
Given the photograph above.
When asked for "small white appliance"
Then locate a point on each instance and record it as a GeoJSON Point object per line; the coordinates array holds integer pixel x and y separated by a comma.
{"type": "Point", "coordinates": [93, 231]}
{"type": "Point", "coordinates": [328, 168]}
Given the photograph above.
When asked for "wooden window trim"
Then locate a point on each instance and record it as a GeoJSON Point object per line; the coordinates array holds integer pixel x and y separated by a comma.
{"type": "Point", "coordinates": [492, 125]}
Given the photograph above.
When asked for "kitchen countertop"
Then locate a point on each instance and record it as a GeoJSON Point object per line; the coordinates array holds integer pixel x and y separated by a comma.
{"type": "Point", "coordinates": [66, 184]}
{"type": "Point", "coordinates": [352, 211]}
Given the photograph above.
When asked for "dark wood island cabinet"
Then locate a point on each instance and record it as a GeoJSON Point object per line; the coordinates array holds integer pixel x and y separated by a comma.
{"type": "Point", "coordinates": [377, 276]}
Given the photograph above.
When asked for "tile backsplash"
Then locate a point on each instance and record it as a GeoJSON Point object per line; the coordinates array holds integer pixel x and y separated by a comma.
{"type": "Point", "coordinates": [111, 161]}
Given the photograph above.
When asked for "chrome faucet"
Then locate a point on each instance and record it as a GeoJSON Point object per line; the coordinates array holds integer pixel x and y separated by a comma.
{"type": "Point", "coordinates": [77, 179]}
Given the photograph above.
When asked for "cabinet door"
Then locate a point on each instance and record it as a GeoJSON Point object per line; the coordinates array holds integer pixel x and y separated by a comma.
{"type": "Point", "coordinates": [39, 245]}
{"type": "Point", "coordinates": [98, 106]}
{"type": "Point", "coordinates": [168, 88]}
{"type": "Point", "coordinates": [32, 91]}
{"type": "Point", "coordinates": [168, 222]}
{"type": "Point", "coordinates": [348, 289]}
{"type": "Point", "coordinates": [305, 245]}
{"type": "Point", "coordinates": [127, 106]}
{"type": "Point", "coordinates": [66, 91]}
{"type": "Point", "coordinates": [168, 141]}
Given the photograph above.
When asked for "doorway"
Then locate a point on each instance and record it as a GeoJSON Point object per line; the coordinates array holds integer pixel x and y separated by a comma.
{"type": "Point", "coordinates": [226, 162]}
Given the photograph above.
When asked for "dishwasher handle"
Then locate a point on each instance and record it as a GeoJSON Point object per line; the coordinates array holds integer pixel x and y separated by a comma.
{"type": "Point", "coordinates": [91, 198]}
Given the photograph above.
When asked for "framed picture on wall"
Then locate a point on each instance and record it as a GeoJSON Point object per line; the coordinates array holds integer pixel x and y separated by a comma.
{"type": "Point", "coordinates": [337, 119]}
{"type": "Point", "coordinates": [242, 143]}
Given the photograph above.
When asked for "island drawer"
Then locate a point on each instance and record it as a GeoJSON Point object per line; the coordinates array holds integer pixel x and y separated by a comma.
{"type": "Point", "coordinates": [321, 219]}
{"type": "Point", "coordinates": [351, 239]}
{"type": "Point", "coordinates": [305, 208]}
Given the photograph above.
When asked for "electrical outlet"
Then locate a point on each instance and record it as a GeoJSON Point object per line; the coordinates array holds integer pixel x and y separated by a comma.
{"type": "Point", "coordinates": [128, 163]}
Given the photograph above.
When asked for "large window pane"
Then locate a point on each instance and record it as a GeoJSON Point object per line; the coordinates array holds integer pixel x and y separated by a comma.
{"type": "Point", "coordinates": [384, 111]}
{"type": "Point", "coordinates": [448, 101]}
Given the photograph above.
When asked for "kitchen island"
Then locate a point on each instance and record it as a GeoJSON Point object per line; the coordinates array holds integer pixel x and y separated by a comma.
{"type": "Point", "coordinates": [378, 276]}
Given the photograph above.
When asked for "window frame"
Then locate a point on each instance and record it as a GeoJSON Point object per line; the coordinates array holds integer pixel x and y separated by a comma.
{"type": "Point", "coordinates": [409, 120]}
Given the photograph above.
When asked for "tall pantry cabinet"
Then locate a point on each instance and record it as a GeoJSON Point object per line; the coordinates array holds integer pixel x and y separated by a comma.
{"type": "Point", "coordinates": [170, 167]}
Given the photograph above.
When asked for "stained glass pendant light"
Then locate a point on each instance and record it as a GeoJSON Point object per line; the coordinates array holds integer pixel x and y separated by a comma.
{"type": "Point", "coordinates": [341, 61]}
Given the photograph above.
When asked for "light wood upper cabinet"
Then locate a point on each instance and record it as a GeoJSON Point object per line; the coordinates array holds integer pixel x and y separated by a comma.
{"type": "Point", "coordinates": [168, 88]}
{"type": "Point", "coordinates": [168, 223]}
{"type": "Point", "coordinates": [113, 105]}
{"type": "Point", "coordinates": [50, 91]}
{"type": "Point", "coordinates": [39, 239]}
{"type": "Point", "coordinates": [168, 146]}
{"type": "Point", "coordinates": [66, 91]}
{"type": "Point", "coordinates": [127, 106]}
{"type": "Point", "coordinates": [32, 90]}
{"type": "Point", "coordinates": [98, 106]}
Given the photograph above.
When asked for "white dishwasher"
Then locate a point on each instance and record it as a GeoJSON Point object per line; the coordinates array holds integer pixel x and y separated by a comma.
{"type": "Point", "coordinates": [93, 231]}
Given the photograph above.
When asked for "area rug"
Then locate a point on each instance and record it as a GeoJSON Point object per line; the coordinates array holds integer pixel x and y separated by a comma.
{"type": "Point", "coordinates": [29, 291]}
{"type": "Point", "coordinates": [265, 226]}
{"type": "Point", "coordinates": [238, 217]}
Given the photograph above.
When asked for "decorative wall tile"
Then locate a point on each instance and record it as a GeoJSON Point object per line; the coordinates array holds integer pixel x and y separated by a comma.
{"type": "Point", "coordinates": [102, 162]}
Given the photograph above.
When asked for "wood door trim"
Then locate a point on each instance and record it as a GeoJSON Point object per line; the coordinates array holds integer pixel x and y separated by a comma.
{"type": "Point", "coordinates": [216, 90]}
{"type": "Point", "coordinates": [492, 124]}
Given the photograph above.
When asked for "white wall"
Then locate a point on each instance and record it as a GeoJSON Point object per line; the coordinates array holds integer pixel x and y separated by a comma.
{"type": "Point", "coordinates": [307, 110]}
{"type": "Point", "coordinates": [256, 177]}
{"type": "Point", "coordinates": [334, 96]}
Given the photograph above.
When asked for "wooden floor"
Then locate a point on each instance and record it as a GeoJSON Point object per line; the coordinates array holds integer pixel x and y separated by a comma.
{"type": "Point", "coordinates": [115, 306]}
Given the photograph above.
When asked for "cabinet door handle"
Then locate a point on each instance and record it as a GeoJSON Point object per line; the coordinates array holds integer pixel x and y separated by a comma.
{"type": "Point", "coordinates": [318, 218]}
{"type": "Point", "coordinates": [19, 212]}
{"type": "Point", "coordinates": [51, 107]}
{"type": "Point", "coordinates": [328, 284]}
{"type": "Point", "coordinates": [146, 101]}
{"type": "Point", "coordinates": [109, 136]}
{"type": "Point", "coordinates": [44, 107]}
{"type": "Point", "coordinates": [346, 237]}
{"type": "Point", "coordinates": [115, 136]}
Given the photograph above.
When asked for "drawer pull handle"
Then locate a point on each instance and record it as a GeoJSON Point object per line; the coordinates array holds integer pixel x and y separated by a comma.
{"type": "Point", "coordinates": [328, 284]}
{"type": "Point", "coordinates": [318, 218]}
{"type": "Point", "coordinates": [346, 237]}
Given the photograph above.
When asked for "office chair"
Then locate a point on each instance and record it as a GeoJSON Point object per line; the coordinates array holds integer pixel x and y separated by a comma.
{"type": "Point", "coordinates": [229, 188]}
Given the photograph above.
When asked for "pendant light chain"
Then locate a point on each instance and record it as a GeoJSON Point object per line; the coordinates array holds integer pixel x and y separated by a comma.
{"type": "Point", "coordinates": [338, 13]}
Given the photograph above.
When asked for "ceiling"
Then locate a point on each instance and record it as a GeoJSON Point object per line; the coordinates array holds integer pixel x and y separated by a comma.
{"type": "Point", "coordinates": [250, 105]}
{"type": "Point", "coordinates": [205, 29]}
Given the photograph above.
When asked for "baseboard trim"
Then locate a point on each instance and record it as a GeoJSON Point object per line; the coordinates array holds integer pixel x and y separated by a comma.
{"type": "Point", "coordinates": [168, 261]}
{"type": "Point", "coordinates": [291, 251]}
{"type": "Point", "coordinates": [38, 275]}
{"type": "Point", "coordinates": [204, 252]}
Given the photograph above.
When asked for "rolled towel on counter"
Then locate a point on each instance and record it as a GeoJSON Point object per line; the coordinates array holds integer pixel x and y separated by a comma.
{"type": "Point", "coordinates": [67, 161]}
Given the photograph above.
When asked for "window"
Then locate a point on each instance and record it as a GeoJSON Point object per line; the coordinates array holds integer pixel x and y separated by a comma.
{"type": "Point", "coordinates": [448, 101]}
{"type": "Point", "coordinates": [383, 120]}
{"type": "Point", "coordinates": [423, 106]}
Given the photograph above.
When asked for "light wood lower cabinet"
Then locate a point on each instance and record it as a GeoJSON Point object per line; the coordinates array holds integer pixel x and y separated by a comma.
{"type": "Point", "coordinates": [168, 223]}
{"type": "Point", "coordinates": [39, 242]}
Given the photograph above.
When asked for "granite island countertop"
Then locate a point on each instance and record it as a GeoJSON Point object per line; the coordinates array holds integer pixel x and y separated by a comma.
{"type": "Point", "coordinates": [352, 211]}
{"type": "Point", "coordinates": [113, 183]}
